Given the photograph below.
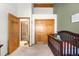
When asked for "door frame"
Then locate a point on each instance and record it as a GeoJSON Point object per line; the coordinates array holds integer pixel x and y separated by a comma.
{"type": "Point", "coordinates": [42, 16]}
{"type": "Point", "coordinates": [21, 29]}
{"type": "Point", "coordinates": [42, 20]}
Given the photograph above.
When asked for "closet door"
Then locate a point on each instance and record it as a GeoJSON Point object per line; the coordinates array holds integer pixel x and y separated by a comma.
{"type": "Point", "coordinates": [13, 41]}
{"type": "Point", "coordinates": [42, 29]}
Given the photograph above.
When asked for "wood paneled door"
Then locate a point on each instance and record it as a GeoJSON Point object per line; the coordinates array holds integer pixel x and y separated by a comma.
{"type": "Point", "coordinates": [13, 32]}
{"type": "Point", "coordinates": [42, 29]}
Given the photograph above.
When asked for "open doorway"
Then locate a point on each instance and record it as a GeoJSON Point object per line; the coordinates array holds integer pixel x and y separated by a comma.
{"type": "Point", "coordinates": [24, 31]}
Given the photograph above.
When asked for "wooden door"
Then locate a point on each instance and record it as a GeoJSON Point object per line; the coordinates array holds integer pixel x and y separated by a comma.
{"type": "Point", "coordinates": [42, 29]}
{"type": "Point", "coordinates": [13, 32]}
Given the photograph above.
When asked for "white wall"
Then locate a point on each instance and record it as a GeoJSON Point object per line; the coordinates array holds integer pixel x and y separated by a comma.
{"type": "Point", "coordinates": [4, 10]}
{"type": "Point", "coordinates": [42, 16]}
{"type": "Point", "coordinates": [24, 10]}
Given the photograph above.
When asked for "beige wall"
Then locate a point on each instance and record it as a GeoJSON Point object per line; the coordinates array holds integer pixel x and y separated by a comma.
{"type": "Point", "coordinates": [64, 12]}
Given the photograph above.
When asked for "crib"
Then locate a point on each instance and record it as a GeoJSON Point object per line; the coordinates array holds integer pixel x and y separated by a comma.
{"type": "Point", "coordinates": [67, 46]}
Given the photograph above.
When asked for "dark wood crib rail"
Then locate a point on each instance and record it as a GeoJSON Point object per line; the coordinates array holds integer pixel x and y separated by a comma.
{"type": "Point", "coordinates": [67, 46]}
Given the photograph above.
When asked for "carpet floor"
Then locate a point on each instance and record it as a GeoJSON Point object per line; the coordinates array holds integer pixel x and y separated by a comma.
{"type": "Point", "coordinates": [35, 50]}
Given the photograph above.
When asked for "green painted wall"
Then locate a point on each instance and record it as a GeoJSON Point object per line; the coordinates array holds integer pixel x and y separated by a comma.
{"type": "Point", "coordinates": [64, 12]}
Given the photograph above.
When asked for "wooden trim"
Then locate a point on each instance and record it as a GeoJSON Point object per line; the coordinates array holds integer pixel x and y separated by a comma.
{"type": "Point", "coordinates": [39, 5]}
{"type": "Point", "coordinates": [24, 17]}
{"type": "Point", "coordinates": [13, 15]}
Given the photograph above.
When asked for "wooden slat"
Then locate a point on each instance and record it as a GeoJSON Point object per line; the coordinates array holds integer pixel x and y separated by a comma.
{"type": "Point", "coordinates": [43, 5]}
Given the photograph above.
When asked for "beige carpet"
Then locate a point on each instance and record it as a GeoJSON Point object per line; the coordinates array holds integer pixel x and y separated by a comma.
{"type": "Point", "coordinates": [35, 50]}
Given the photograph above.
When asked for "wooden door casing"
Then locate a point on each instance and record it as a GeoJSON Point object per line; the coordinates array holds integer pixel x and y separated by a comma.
{"type": "Point", "coordinates": [13, 33]}
{"type": "Point", "coordinates": [42, 29]}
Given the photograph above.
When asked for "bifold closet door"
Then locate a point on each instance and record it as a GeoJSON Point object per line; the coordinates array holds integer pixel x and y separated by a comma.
{"type": "Point", "coordinates": [42, 29]}
{"type": "Point", "coordinates": [13, 33]}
